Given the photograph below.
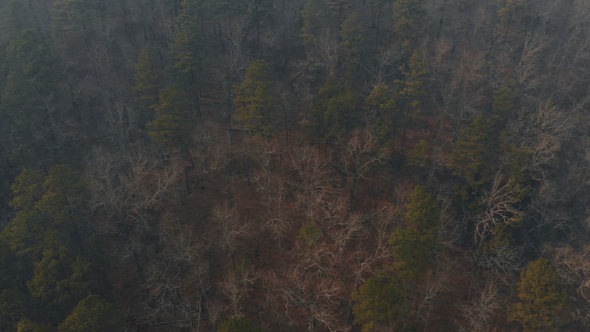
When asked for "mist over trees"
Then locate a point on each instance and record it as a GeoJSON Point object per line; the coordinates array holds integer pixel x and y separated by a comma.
{"type": "Point", "coordinates": [303, 165]}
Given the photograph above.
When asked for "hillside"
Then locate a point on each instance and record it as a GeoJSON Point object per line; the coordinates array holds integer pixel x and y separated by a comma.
{"type": "Point", "coordinates": [303, 165]}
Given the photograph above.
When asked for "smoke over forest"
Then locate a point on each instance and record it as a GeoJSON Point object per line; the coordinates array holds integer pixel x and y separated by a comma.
{"type": "Point", "coordinates": [300, 165]}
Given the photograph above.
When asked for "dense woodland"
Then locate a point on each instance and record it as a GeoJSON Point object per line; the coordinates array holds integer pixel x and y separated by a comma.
{"type": "Point", "coordinates": [300, 165]}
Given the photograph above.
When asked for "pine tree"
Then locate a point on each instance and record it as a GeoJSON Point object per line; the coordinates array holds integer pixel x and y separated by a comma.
{"type": "Point", "coordinates": [380, 302]}
{"type": "Point", "coordinates": [236, 324]}
{"type": "Point", "coordinates": [406, 14]}
{"type": "Point", "coordinates": [93, 314]}
{"type": "Point", "coordinates": [146, 84]}
{"type": "Point", "coordinates": [336, 112]}
{"type": "Point", "coordinates": [186, 53]}
{"type": "Point", "coordinates": [384, 112]}
{"type": "Point", "coordinates": [413, 244]}
{"type": "Point", "coordinates": [174, 118]}
{"type": "Point", "coordinates": [469, 157]}
{"type": "Point", "coordinates": [256, 106]}
{"type": "Point", "coordinates": [315, 15]}
{"type": "Point", "coordinates": [412, 90]}
{"type": "Point", "coordinates": [350, 45]}
{"type": "Point", "coordinates": [543, 303]}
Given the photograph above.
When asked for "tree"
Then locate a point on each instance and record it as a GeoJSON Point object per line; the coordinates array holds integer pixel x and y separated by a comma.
{"type": "Point", "coordinates": [93, 314]}
{"type": "Point", "coordinates": [147, 83]}
{"type": "Point", "coordinates": [469, 157]}
{"type": "Point", "coordinates": [335, 113]}
{"type": "Point", "coordinates": [315, 15]}
{"type": "Point", "coordinates": [174, 118]}
{"type": "Point", "coordinates": [413, 245]}
{"type": "Point", "coordinates": [236, 324]}
{"type": "Point", "coordinates": [412, 89]}
{"type": "Point", "coordinates": [509, 15]}
{"type": "Point", "coordinates": [186, 52]}
{"type": "Point", "coordinates": [12, 308]}
{"type": "Point", "coordinates": [543, 303]}
{"type": "Point", "coordinates": [255, 102]}
{"type": "Point", "coordinates": [50, 277]}
{"type": "Point", "coordinates": [350, 45]}
{"type": "Point", "coordinates": [27, 325]}
{"type": "Point", "coordinates": [65, 197]}
{"type": "Point", "coordinates": [380, 302]}
{"type": "Point", "coordinates": [27, 189]}
{"type": "Point", "coordinates": [503, 102]}
{"type": "Point", "coordinates": [28, 95]}
{"type": "Point", "coordinates": [406, 14]}
{"type": "Point", "coordinates": [382, 107]}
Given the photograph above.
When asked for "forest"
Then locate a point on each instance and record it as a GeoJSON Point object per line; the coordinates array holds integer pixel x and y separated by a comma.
{"type": "Point", "coordinates": [294, 165]}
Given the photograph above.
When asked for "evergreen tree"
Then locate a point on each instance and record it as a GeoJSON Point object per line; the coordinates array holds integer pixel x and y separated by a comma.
{"type": "Point", "coordinates": [412, 90]}
{"type": "Point", "coordinates": [384, 114]}
{"type": "Point", "coordinates": [380, 302]}
{"type": "Point", "coordinates": [336, 112]}
{"type": "Point", "coordinates": [509, 14]}
{"type": "Point", "coordinates": [27, 189]}
{"type": "Point", "coordinates": [28, 96]}
{"type": "Point", "coordinates": [503, 104]}
{"type": "Point", "coordinates": [174, 118]}
{"type": "Point", "coordinates": [27, 325]}
{"type": "Point", "coordinates": [315, 17]}
{"type": "Point", "coordinates": [350, 45]}
{"type": "Point", "coordinates": [236, 324]}
{"type": "Point", "coordinates": [93, 314]}
{"type": "Point", "coordinates": [407, 14]}
{"type": "Point", "coordinates": [543, 303]}
{"type": "Point", "coordinates": [186, 53]}
{"type": "Point", "coordinates": [66, 196]}
{"type": "Point", "coordinates": [255, 103]}
{"type": "Point", "coordinates": [413, 244]}
{"type": "Point", "coordinates": [146, 84]}
{"type": "Point", "coordinates": [469, 158]}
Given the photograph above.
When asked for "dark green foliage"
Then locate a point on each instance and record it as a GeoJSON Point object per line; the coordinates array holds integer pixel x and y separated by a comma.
{"type": "Point", "coordinates": [384, 113]}
{"type": "Point", "coordinates": [24, 232]}
{"type": "Point", "coordinates": [27, 325]}
{"type": "Point", "coordinates": [255, 103]}
{"type": "Point", "coordinates": [543, 303]}
{"type": "Point", "coordinates": [66, 196]}
{"type": "Point", "coordinates": [503, 103]}
{"type": "Point", "coordinates": [336, 112]}
{"type": "Point", "coordinates": [407, 14]}
{"type": "Point", "coordinates": [147, 84]}
{"type": "Point", "coordinates": [310, 234]}
{"type": "Point", "coordinates": [27, 189]}
{"type": "Point", "coordinates": [380, 302]}
{"type": "Point", "coordinates": [508, 15]}
{"type": "Point", "coordinates": [236, 324]}
{"type": "Point", "coordinates": [93, 314]}
{"type": "Point", "coordinates": [29, 55]}
{"type": "Point", "coordinates": [43, 235]}
{"type": "Point", "coordinates": [413, 88]}
{"type": "Point", "coordinates": [174, 117]}
{"type": "Point", "coordinates": [50, 279]}
{"type": "Point", "coordinates": [350, 45]}
{"type": "Point", "coordinates": [12, 304]}
{"type": "Point", "coordinates": [420, 155]}
{"type": "Point", "coordinates": [469, 157]}
{"type": "Point", "coordinates": [186, 54]}
{"type": "Point", "coordinates": [413, 244]}
{"type": "Point", "coordinates": [315, 15]}
{"type": "Point", "coordinates": [30, 86]}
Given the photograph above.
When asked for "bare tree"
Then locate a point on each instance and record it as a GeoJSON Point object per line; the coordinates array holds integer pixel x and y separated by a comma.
{"type": "Point", "coordinates": [480, 311]}
{"type": "Point", "coordinates": [359, 156]}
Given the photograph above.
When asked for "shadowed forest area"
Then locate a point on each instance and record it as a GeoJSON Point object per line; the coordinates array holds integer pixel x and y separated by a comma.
{"type": "Point", "coordinates": [300, 165]}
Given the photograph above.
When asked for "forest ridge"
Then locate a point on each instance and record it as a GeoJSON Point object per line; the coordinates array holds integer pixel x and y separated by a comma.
{"type": "Point", "coordinates": [302, 165]}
